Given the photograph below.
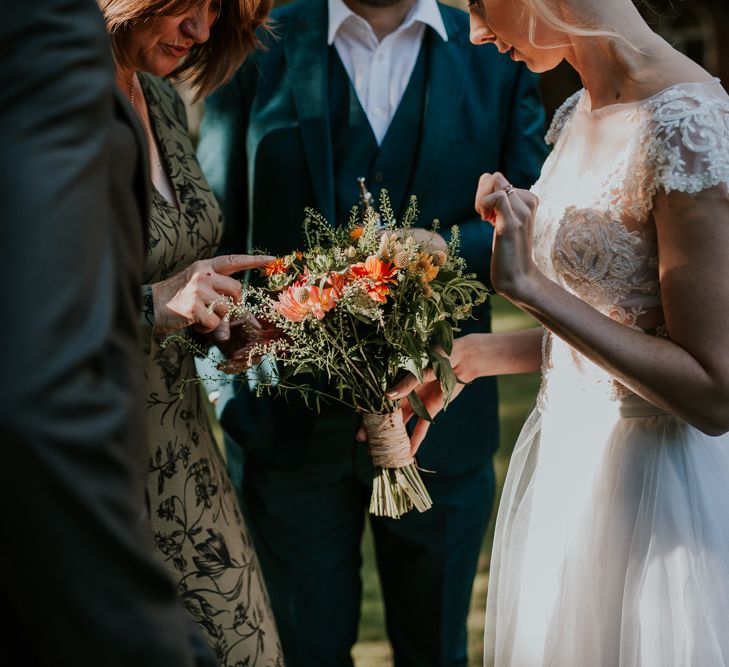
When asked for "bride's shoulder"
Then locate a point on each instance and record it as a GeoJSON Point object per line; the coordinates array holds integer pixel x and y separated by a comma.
{"type": "Point", "coordinates": [689, 98]}
{"type": "Point", "coordinates": [561, 116]}
{"type": "Point", "coordinates": [687, 132]}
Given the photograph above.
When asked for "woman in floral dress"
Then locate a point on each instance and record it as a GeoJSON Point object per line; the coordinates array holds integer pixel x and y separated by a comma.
{"type": "Point", "coordinates": [199, 531]}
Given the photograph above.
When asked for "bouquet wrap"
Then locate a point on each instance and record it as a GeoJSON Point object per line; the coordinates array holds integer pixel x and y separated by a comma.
{"type": "Point", "coordinates": [397, 486]}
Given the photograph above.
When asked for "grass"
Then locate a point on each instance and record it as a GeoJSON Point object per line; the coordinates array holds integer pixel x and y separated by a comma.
{"type": "Point", "coordinates": [516, 394]}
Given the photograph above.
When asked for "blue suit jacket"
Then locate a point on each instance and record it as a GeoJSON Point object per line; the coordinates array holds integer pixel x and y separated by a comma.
{"type": "Point", "coordinates": [265, 148]}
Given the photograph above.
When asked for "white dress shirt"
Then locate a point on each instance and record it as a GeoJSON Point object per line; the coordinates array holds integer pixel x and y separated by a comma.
{"type": "Point", "coordinates": [380, 70]}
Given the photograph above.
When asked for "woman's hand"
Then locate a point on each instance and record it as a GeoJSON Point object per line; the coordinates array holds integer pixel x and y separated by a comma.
{"type": "Point", "coordinates": [430, 392]}
{"type": "Point", "coordinates": [185, 298]}
{"type": "Point", "coordinates": [473, 356]}
{"type": "Point", "coordinates": [511, 211]}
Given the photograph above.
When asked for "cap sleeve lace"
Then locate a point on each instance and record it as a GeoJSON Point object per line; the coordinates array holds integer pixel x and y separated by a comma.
{"type": "Point", "coordinates": [561, 116]}
{"type": "Point", "coordinates": [688, 140]}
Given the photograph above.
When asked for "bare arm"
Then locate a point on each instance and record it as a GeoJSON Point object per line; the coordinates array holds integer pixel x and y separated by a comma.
{"type": "Point", "coordinates": [473, 356]}
{"type": "Point", "coordinates": [687, 375]}
{"type": "Point", "coordinates": [506, 353]}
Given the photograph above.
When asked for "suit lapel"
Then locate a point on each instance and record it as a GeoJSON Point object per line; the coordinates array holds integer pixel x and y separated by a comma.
{"type": "Point", "coordinates": [307, 59]}
{"type": "Point", "coordinates": [446, 87]}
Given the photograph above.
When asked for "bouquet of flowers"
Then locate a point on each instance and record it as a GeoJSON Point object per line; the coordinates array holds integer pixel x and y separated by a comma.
{"type": "Point", "coordinates": [360, 306]}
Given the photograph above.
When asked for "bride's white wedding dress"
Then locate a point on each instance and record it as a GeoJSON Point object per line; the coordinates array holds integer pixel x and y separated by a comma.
{"type": "Point", "coordinates": [612, 540]}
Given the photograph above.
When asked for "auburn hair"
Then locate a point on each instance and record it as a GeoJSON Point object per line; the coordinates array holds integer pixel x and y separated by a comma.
{"type": "Point", "coordinates": [232, 38]}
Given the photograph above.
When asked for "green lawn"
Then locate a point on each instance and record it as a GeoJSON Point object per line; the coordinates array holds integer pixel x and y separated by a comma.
{"type": "Point", "coordinates": [516, 399]}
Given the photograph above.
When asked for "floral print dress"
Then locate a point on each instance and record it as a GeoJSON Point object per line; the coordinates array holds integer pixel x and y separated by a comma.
{"type": "Point", "coordinates": [199, 531]}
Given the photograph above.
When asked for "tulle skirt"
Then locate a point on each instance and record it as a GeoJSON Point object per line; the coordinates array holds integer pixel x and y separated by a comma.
{"type": "Point", "coordinates": [612, 542]}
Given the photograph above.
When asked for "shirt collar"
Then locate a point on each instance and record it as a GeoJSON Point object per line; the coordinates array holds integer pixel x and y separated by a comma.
{"type": "Point", "coordinates": [425, 11]}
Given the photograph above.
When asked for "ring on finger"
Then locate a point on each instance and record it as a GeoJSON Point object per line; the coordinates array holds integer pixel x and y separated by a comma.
{"type": "Point", "coordinates": [509, 189]}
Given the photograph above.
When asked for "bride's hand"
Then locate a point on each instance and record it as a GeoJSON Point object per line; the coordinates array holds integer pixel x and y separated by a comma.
{"type": "Point", "coordinates": [430, 392]}
{"type": "Point", "coordinates": [511, 211]}
{"type": "Point", "coordinates": [184, 298]}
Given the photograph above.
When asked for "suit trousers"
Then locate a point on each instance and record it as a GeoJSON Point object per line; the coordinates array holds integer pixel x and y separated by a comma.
{"type": "Point", "coordinates": [307, 524]}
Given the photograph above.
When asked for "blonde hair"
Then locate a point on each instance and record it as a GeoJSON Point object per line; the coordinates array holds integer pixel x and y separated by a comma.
{"type": "Point", "coordinates": [540, 8]}
{"type": "Point", "coordinates": [208, 65]}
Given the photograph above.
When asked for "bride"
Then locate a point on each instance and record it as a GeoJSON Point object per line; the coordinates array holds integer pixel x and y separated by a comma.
{"type": "Point", "coordinates": [612, 539]}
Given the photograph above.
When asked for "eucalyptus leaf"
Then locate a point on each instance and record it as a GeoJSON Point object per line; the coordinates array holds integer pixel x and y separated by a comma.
{"type": "Point", "coordinates": [443, 336]}
{"type": "Point", "coordinates": [419, 407]}
{"type": "Point", "coordinates": [414, 367]}
{"type": "Point", "coordinates": [444, 372]}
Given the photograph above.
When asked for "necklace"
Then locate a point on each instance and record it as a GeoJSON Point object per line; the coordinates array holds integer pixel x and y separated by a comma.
{"type": "Point", "coordinates": [147, 130]}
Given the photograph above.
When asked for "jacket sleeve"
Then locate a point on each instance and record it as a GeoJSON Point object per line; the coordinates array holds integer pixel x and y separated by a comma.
{"type": "Point", "coordinates": [77, 560]}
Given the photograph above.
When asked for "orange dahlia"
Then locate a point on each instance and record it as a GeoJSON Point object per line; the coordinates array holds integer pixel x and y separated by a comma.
{"type": "Point", "coordinates": [427, 269]}
{"type": "Point", "coordinates": [321, 301]}
{"type": "Point", "coordinates": [298, 300]}
{"type": "Point", "coordinates": [275, 267]}
{"type": "Point", "coordinates": [290, 307]}
{"type": "Point", "coordinates": [337, 281]}
{"type": "Point", "coordinates": [376, 275]}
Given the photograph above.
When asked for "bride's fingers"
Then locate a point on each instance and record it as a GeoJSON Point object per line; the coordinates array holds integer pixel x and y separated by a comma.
{"type": "Point", "coordinates": [488, 184]}
{"type": "Point", "coordinates": [229, 264]}
{"type": "Point", "coordinates": [407, 384]}
{"type": "Point", "coordinates": [203, 320]}
{"type": "Point", "coordinates": [361, 435]}
{"type": "Point", "coordinates": [407, 410]}
{"type": "Point", "coordinates": [497, 206]}
{"type": "Point", "coordinates": [418, 435]}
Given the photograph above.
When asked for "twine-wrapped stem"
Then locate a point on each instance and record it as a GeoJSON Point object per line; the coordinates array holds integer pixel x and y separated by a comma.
{"type": "Point", "coordinates": [397, 486]}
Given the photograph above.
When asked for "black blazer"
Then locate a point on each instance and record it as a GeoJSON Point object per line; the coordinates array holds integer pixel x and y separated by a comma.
{"type": "Point", "coordinates": [78, 583]}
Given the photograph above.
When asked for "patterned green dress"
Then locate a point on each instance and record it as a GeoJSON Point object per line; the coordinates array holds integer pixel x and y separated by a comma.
{"type": "Point", "coordinates": [199, 531]}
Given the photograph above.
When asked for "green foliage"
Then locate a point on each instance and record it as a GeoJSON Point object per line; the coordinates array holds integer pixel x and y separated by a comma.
{"type": "Point", "coordinates": [361, 308]}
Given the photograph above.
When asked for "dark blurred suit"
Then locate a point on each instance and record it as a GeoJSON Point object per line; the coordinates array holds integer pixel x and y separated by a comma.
{"type": "Point", "coordinates": [78, 584]}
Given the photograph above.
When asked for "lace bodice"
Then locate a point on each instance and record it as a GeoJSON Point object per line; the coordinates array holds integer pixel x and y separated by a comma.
{"type": "Point", "coordinates": [594, 232]}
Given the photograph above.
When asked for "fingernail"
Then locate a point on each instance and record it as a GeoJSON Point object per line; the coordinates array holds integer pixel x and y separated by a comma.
{"type": "Point", "coordinates": [391, 393]}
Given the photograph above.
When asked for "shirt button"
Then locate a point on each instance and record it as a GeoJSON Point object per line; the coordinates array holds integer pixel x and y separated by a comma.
{"type": "Point", "coordinates": [379, 177]}
{"type": "Point", "coordinates": [378, 112]}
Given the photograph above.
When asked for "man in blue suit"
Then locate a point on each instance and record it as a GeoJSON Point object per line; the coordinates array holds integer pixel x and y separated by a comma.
{"type": "Point", "coordinates": [396, 93]}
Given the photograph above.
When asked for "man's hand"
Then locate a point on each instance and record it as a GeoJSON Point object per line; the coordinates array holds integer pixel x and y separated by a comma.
{"type": "Point", "coordinates": [428, 239]}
